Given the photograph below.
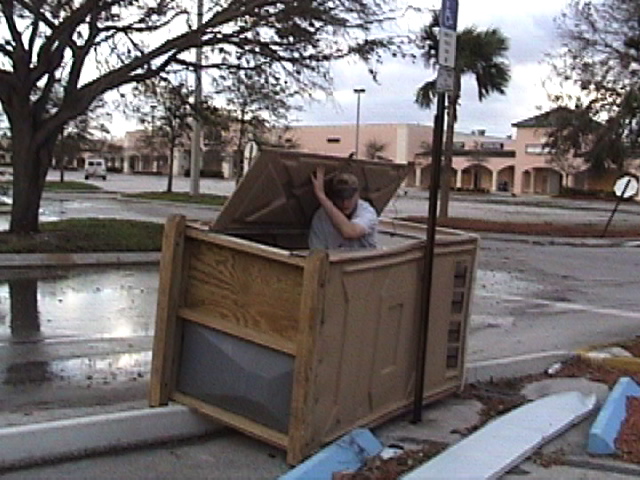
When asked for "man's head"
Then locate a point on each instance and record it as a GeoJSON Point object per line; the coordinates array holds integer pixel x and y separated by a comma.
{"type": "Point", "coordinates": [343, 191]}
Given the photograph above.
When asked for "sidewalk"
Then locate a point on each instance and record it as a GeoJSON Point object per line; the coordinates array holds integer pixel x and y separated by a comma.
{"type": "Point", "coordinates": [143, 443]}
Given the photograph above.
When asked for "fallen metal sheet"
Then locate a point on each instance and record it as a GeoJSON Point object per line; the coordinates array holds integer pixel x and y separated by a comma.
{"type": "Point", "coordinates": [348, 453]}
{"type": "Point", "coordinates": [508, 440]}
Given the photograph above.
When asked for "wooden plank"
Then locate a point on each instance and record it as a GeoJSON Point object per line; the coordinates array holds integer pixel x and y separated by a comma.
{"type": "Point", "coordinates": [253, 292]}
{"type": "Point", "coordinates": [382, 261]}
{"type": "Point", "coordinates": [168, 297]}
{"type": "Point", "coordinates": [245, 246]}
{"type": "Point", "coordinates": [207, 317]}
{"type": "Point", "coordinates": [300, 442]}
{"type": "Point", "coordinates": [254, 429]}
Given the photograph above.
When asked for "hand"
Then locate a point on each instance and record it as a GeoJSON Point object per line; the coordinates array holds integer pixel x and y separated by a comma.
{"type": "Point", "coordinates": [318, 182]}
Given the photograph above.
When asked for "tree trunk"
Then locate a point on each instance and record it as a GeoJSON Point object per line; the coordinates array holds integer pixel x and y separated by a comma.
{"type": "Point", "coordinates": [445, 176]}
{"type": "Point", "coordinates": [170, 177]}
{"type": "Point", "coordinates": [239, 153]}
{"type": "Point", "coordinates": [30, 165]}
{"type": "Point", "coordinates": [61, 164]}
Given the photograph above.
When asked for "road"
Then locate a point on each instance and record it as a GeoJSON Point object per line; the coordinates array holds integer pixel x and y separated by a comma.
{"type": "Point", "coordinates": [413, 201]}
{"type": "Point", "coordinates": [87, 340]}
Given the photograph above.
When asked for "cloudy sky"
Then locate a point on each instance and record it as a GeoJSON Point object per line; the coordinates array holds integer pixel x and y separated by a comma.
{"type": "Point", "coordinates": [530, 29]}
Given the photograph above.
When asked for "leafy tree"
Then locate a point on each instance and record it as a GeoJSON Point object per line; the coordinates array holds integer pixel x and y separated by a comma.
{"type": "Point", "coordinates": [165, 110]}
{"type": "Point", "coordinates": [255, 101]}
{"type": "Point", "coordinates": [80, 134]}
{"type": "Point", "coordinates": [91, 47]}
{"type": "Point", "coordinates": [600, 55]}
{"type": "Point", "coordinates": [481, 53]}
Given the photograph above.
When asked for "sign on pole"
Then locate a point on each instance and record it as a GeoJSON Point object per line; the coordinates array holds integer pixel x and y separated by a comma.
{"type": "Point", "coordinates": [445, 80]}
{"type": "Point", "coordinates": [449, 14]}
{"type": "Point", "coordinates": [444, 83]}
{"type": "Point", "coordinates": [626, 186]}
{"type": "Point", "coordinates": [447, 46]}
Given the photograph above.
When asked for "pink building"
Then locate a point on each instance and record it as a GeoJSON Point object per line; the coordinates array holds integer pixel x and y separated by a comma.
{"type": "Point", "coordinates": [481, 162]}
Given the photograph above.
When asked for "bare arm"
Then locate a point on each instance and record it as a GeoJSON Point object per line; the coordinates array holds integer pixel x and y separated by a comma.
{"type": "Point", "coordinates": [347, 228]}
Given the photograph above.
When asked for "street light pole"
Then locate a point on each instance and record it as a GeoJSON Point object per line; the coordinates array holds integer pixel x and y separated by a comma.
{"type": "Point", "coordinates": [196, 154]}
{"type": "Point", "coordinates": [358, 92]}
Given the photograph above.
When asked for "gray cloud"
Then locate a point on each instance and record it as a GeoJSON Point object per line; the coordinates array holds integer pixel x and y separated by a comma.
{"type": "Point", "coordinates": [531, 35]}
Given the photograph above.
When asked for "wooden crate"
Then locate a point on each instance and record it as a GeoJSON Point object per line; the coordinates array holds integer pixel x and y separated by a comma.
{"type": "Point", "coordinates": [295, 347]}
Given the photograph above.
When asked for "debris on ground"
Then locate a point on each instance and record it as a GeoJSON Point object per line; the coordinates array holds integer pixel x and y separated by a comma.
{"type": "Point", "coordinates": [378, 468]}
{"type": "Point", "coordinates": [628, 440]}
{"type": "Point", "coordinates": [499, 397]}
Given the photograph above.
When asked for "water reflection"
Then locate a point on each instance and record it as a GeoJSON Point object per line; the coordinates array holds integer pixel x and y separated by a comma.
{"type": "Point", "coordinates": [23, 297]}
{"type": "Point", "coordinates": [39, 307]}
{"type": "Point", "coordinates": [85, 370]}
{"type": "Point", "coordinates": [79, 302]}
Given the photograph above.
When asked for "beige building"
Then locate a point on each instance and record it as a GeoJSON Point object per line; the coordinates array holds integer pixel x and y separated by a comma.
{"type": "Point", "coordinates": [480, 162]}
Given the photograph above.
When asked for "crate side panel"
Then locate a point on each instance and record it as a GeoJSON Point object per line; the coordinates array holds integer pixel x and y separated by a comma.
{"type": "Point", "coordinates": [245, 289]}
{"type": "Point", "coordinates": [366, 346]}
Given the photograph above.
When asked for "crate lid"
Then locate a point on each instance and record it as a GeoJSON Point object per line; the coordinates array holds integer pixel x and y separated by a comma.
{"type": "Point", "coordinates": [277, 194]}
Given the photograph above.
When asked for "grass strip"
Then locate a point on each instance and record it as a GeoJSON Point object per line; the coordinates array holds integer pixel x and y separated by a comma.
{"type": "Point", "coordinates": [180, 197]}
{"type": "Point", "coordinates": [79, 235]}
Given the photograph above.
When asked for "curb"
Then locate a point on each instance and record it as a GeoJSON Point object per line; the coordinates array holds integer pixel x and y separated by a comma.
{"type": "Point", "coordinates": [562, 241]}
{"type": "Point", "coordinates": [28, 445]}
{"type": "Point", "coordinates": [63, 439]}
{"type": "Point", "coordinates": [511, 367]}
{"type": "Point", "coordinates": [29, 260]}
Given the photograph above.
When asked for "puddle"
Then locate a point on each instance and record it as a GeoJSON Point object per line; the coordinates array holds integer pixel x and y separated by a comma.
{"type": "Point", "coordinates": [89, 303]}
{"type": "Point", "coordinates": [89, 370]}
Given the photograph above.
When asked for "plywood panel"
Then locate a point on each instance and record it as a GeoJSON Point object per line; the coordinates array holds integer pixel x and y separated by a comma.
{"type": "Point", "coordinates": [446, 312]}
{"type": "Point", "coordinates": [301, 439]}
{"type": "Point", "coordinates": [169, 298]}
{"type": "Point", "coordinates": [253, 292]}
{"type": "Point", "coordinates": [367, 345]}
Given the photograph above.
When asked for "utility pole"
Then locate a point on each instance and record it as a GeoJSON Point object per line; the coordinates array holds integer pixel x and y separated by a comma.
{"type": "Point", "coordinates": [196, 153]}
{"type": "Point", "coordinates": [358, 92]}
{"type": "Point", "coordinates": [444, 85]}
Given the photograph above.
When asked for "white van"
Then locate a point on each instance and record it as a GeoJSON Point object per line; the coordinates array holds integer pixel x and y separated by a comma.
{"type": "Point", "coordinates": [95, 167]}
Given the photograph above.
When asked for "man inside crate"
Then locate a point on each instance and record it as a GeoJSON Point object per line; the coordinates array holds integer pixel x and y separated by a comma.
{"type": "Point", "coordinates": [343, 220]}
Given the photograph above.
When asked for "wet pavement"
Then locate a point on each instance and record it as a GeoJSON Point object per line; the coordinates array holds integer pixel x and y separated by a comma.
{"type": "Point", "coordinates": [81, 337]}
{"type": "Point", "coordinates": [94, 327]}
{"type": "Point", "coordinates": [78, 336]}
{"type": "Point", "coordinates": [56, 303]}
{"type": "Point", "coordinates": [408, 201]}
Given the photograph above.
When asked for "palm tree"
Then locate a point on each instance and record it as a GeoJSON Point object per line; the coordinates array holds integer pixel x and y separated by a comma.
{"type": "Point", "coordinates": [374, 148]}
{"type": "Point", "coordinates": [481, 53]}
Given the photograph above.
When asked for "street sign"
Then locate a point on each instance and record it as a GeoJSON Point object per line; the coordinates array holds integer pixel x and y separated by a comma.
{"type": "Point", "coordinates": [445, 80]}
{"type": "Point", "coordinates": [447, 36]}
{"type": "Point", "coordinates": [449, 14]}
{"type": "Point", "coordinates": [447, 48]}
{"type": "Point", "coordinates": [626, 186]}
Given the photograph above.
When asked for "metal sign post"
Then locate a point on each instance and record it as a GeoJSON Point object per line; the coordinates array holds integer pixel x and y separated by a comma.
{"type": "Point", "coordinates": [444, 83]}
{"type": "Point", "coordinates": [625, 187]}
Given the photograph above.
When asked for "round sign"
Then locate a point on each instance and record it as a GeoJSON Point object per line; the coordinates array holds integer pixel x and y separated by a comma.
{"type": "Point", "coordinates": [626, 186]}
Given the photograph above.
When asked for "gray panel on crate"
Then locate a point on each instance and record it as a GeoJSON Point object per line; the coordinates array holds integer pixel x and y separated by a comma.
{"type": "Point", "coordinates": [238, 376]}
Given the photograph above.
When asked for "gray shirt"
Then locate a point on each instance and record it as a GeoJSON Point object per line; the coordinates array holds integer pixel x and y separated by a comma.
{"type": "Point", "coordinates": [324, 235]}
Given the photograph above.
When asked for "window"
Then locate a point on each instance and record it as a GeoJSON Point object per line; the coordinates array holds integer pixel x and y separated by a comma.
{"type": "Point", "coordinates": [458, 145]}
{"type": "Point", "coordinates": [333, 139]}
{"type": "Point", "coordinates": [536, 149]}
{"type": "Point", "coordinates": [491, 146]}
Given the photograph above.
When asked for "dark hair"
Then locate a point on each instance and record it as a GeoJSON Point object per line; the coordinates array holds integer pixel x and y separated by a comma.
{"type": "Point", "coordinates": [343, 186]}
